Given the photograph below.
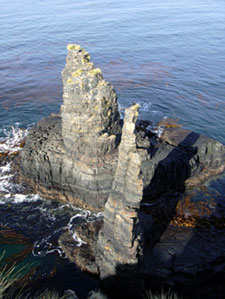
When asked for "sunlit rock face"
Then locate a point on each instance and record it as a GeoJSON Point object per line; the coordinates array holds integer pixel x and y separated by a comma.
{"type": "Point", "coordinates": [120, 241]}
{"type": "Point", "coordinates": [90, 117]}
{"type": "Point", "coordinates": [73, 155]}
{"type": "Point", "coordinates": [80, 156]}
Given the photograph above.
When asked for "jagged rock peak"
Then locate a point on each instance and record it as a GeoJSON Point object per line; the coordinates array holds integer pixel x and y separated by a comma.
{"type": "Point", "coordinates": [119, 241]}
{"type": "Point", "coordinates": [90, 117]}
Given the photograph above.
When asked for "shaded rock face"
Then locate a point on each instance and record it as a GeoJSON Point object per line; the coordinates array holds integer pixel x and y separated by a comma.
{"type": "Point", "coordinates": [146, 169]}
{"type": "Point", "coordinates": [83, 256]}
{"type": "Point", "coordinates": [122, 221]}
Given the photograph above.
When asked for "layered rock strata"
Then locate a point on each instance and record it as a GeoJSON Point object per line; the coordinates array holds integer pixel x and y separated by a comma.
{"type": "Point", "coordinates": [145, 170]}
{"type": "Point", "coordinates": [90, 117]}
{"type": "Point", "coordinates": [79, 156]}
{"type": "Point", "coordinates": [121, 215]}
{"type": "Point", "coordinates": [72, 155]}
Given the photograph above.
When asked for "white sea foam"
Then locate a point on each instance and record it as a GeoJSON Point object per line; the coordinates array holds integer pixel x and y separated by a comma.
{"type": "Point", "coordinates": [12, 138]}
{"type": "Point", "coordinates": [158, 131]}
{"type": "Point", "coordinates": [78, 240]}
{"type": "Point", "coordinates": [10, 142]}
{"type": "Point", "coordinates": [44, 246]}
{"type": "Point", "coordinates": [19, 198]}
{"type": "Point", "coordinates": [5, 168]}
{"type": "Point", "coordinates": [145, 107]}
{"type": "Point", "coordinates": [5, 183]}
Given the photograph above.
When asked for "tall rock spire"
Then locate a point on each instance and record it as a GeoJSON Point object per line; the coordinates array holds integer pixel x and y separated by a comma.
{"type": "Point", "coordinates": [90, 117]}
{"type": "Point", "coordinates": [119, 240]}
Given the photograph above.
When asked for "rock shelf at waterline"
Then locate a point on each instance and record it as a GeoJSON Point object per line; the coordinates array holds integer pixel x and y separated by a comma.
{"type": "Point", "coordinates": [88, 156]}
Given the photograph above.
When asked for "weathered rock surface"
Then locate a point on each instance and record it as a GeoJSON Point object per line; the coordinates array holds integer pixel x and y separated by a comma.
{"type": "Point", "coordinates": [122, 219]}
{"type": "Point", "coordinates": [66, 156]}
{"type": "Point", "coordinates": [80, 156]}
{"type": "Point", "coordinates": [84, 256]}
{"type": "Point", "coordinates": [90, 117]}
{"type": "Point", "coordinates": [73, 156]}
{"type": "Point", "coordinates": [46, 166]}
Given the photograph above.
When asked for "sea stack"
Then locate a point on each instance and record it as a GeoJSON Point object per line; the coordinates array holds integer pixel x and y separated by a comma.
{"type": "Point", "coordinates": [87, 156]}
{"type": "Point", "coordinates": [90, 117]}
{"type": "Point", "coordinates": [122, 216]}
{"type": "Point", "coordinates": [77, 155]}
{"type": "Point", "coordinates": [72, 155]}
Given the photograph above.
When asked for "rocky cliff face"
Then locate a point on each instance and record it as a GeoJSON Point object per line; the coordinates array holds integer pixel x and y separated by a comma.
{"type": "Point", "coordinates": [146, 169]}
{"type": "Point", "coordinates": [121, 237]}
{"type": "Point", "coordinates": [73, 155]}
{"type": "Point", "coordinates": [80, 156]}
{"type": "Point", "coordinates": [90, 117]}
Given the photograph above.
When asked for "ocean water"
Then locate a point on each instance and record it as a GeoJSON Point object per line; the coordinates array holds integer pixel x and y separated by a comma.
{"type": "Point", "coordinates": [166, 55]}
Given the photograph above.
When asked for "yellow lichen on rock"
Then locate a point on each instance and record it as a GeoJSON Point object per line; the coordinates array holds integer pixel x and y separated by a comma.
{"type": "Point", "coordinates": [73, 47]}
{"type": "Point", "coordinates": [69, 81]}
{"type": "Point", "coordinates": [135, 107]}
{"type": "Point", "coordinates": [90, 65]}
{"type": "Point", "coordinates": [77, 73]}
{"type": "Point", "coordinates": [82, 84]}
{"type": "Point", "coordinates": [84, 60]}
{"type": "Point", "coordinates": [107, 248]}
{"type": "Point", "coordinates": [95, 72]}
{"type": "Point", "coordinates": [102, 83]}
{"type": "Point", "coordinates": [98, 129]}
{"type": "Point", "coordinates": [84, 52]}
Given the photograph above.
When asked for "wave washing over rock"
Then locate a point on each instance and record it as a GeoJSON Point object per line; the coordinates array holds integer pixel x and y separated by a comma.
{"type": "Point", "coordinates": [16, 202]}
{"type": "Point", "coordinates": [86, 155]}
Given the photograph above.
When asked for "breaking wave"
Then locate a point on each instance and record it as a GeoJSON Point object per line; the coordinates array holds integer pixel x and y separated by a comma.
{"type": "Point", "coordinates": [11, 138]}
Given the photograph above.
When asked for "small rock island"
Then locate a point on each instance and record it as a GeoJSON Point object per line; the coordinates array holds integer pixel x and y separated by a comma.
{"type": "Point", "coordinates": [88, 156]}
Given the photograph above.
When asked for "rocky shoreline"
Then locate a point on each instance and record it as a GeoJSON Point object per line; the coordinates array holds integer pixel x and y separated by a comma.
{"type": "Point", "coordinates": [88, 156]}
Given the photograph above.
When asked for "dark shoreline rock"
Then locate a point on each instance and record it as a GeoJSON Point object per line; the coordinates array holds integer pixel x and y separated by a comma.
{"type": "Point", "coordinates": [73, 155]}
{"type": "Point", "coordinates": [80, 156]}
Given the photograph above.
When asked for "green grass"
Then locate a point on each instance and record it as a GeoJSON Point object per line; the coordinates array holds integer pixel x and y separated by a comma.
{"type": "Point", "coordinates": [8, 278]}
{"type": "Point", "coordinates": [10, 289]}
{"type": "Point", "coordinates": [161, 295]}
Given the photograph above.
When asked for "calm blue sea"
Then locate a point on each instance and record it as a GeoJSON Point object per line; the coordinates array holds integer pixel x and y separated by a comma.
{"type": "Point", "coordinates": [168, 55]}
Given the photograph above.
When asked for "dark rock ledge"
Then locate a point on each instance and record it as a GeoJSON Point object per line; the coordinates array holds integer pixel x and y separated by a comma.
{"type": "Point", "coordinates": [87, 156]}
